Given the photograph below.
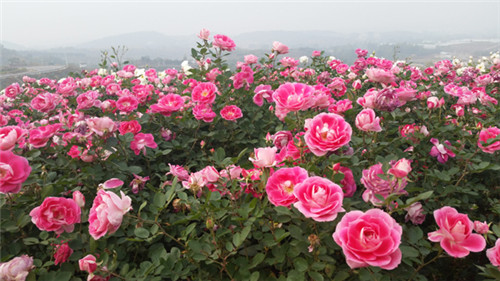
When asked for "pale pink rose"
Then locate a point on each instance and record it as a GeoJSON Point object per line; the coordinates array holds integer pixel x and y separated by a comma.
{"type": "Point", "coordinates": [415, 213]}
{"type": "Point", "coordinates": [369, 239]}
{"type": "Point", "coordinates": [280, 48]}
{"type": "Point", "coordinates": [318, 198]}
{"type": "Point", "coordinates": [493, 254]}
{"type": "Point", "coordinates": [264, 157]}
{"type": "Point", "coordinates": [45, 102]}
{"type": "Point", "coordinates": [231, 112]}
{"type": "Point", "coordinates": [112, 183]}
{"type": "Point", "coordinates": [367, 121]}
{"type": "Point", "coordinates": [178, 171]}
{"type": "Point", "coordinates": [280, 185]}
{"type": "Point", "coordinates": [488, 134]}
{"type": "Point", "coordinates": [39, 137]}
{"type": "Point", "coordinates": [12, 90]}
{"type": "Point", "coordinates": [56, 214]}
{"type": "Point", "coordinates": [204, 34]}
{"type": "Point", "coordinates": [62, 253]}
{"type": "Point", "coordinates": [204, 92]}
{"type": "Point", "coordinates": [224, 43]}
{"type": "Point", "coordinates": [107, 212]}
{"type": "Point", "coordinates": [195, 181]}
{"type": "Point", "coordinates": [455, 233]}
{"type": "Point", "coordinates": [316, 54]}
{"type": "Point", "coordinates": [326, 132]}
{"type": "Point", "coordinates": [127, 103]}
{"type": "Point", "coordinates": [9, 136]}
{"type": "Point", "coordinates": [129, 127]}
{"type": "Point", "coordinates": [251, 59]}
{"type": "Point", "coordinates": [376, 185]}
{"type": "Point", "coordinates": [141, 141]}
{"type": "Point", "coordinates": [88, 263]}
{"type": "Point", "coordinates": [401, 168]}
{"type": "Point", "coordinates": [17, 269]}
{"type": "Point", "coordinates": [481, 227]}
{"type": "Point", "coordinates": [14, 170]}
{"type": "Point", "coordinates": [168, 104]}
{"type": "Point", "coordinates": [380, 75]}
{"type": "Point", "coordinates": [368, 99]}
{"type": "Point", "coordinates": [102, 126]}
{"type": "Point", "coordinates": [79, 198]}
{"type": "Point", "coordinates": [210, 174]}
{"type": "Point", "coordinates": [434, 102]}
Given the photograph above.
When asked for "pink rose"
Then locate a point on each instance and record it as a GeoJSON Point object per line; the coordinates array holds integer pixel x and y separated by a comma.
{"type": "Point", "coordinates": [204, 34]}
{"type": "Point", "coordinates": [79, 198]}
{"type": "Point", "coordinates": [367, 121]}
{"type": "Point", "coordinates": [62, 253]}
{"type": "Point", "coordinates": [102, 126]}
{"type": "Point", "coordinates": [224, 43]}
{"type": "Point", "coordinates": [481, 227]}
{"type": "Point", "coordinates": [14, 170]}
{"type": "Point", "coordinates": [455, 233]}
{"type": "Point", "coordinates": [168, 104]}
{"type": "Point", "coordinates": [9, 136]}
{"type": "Point", "coordinates": [262, 92]}
{"type": "Point", "coordinates": [347, 184]}
{"type": "Point", "coordinates": [415, 213]}
{"type": "Point", "coordinates": [440, 151]}
{"type": "Point", "coordinates": [178, 171]}
{"type": "Point", "coordinates": [401, 168]}
{"type": "Point", "coordinates": [487, 134]}
{"type": "Point", "coordinates": [141, 141]}
{"type": "Point", "coordinates": [17, 269]}
{"type": "Point", "coordinates": [210, 174]}
{"type": "Point", "coordinates": [40, 136]}
{"type": "Point", "coordinates": [319, 199]}
{"type": "Point", "coordinates": [493, 254]}
{"type": "Point", "coordinates": [127, 103]}
{"type": "Point", "coordinates": [12, 90]}
{"type": "Point", "coordinates": [251, 59]}
{"type": "Point", "coordinates": [204, 112]}
{"type": "Point", "coordinates": [204, 92]}
{"type": "Point", "coordinates": [231, 113]}
{"type": "Point", "coordinates": [376, 185]}
{"type": "Point", "coordinates": [380, 75]}
{"type": "Point", "coordinates": [264, 157]}
{"type": "Point", "coordinates": [434, 102]}
{"type": "Point", "coordinates": [107, 212]}
{"type": "Point", "coordinates": [129, 127]}
{"type": "Point", "coordinates": [88, 263]}
{"type": "Point", "coordinates": [56, 214]}
{"type": "Point", "coordinates": [112, 183]}
{"type": "Point", "coordinates": [282, 138]}
{"type": "Point", "coordinates": [280, 185]}
{"type": "Point", "coordinates": [293, 97]}
{"type": "Point", "coordinates": [326, 132]}
{"type": "Point", "coordinates": [369, 239]}
{"type": "Point", "coordinates": [280, 48]}
{"type": "Point", "coordinates": [45, 102]}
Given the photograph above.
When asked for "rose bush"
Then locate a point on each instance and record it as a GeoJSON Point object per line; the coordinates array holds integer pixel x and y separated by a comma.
{"type": "Point", "coordinates": [254, 172]}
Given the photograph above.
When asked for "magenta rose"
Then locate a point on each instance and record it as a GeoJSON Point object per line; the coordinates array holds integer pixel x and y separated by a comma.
{"type": "Point", "coordinates": [231, 112]}
{"type": "Point", "coordinates": [14, 170]}
{"type": "Point", "coordinates": [17, 269]}
{"type": "Point", "coordinates": [326, 132]}
{"type": "Point", "coordinates": [107, 213]}
{"type": "Point", "coordinates": [319, 199]}
{"type": "Point", "coordinates": [455, 233]}
{"type": "Point", "coordinates": [493, 254]}
{"type": "Point", "coordinates": [280, 185]}
{"type": "Point", "coordinates": [62, 253]}
{"type": "Point", "coordinates": [487, 134]}
{"type": "Point", "coordinates": [224, 43]}
{"type": "Point", "coordinates": [204, 93]}
{"type": "Point", "coordinates": [56, 214]}
{"type": "Point", "coordinates": [369, 239]}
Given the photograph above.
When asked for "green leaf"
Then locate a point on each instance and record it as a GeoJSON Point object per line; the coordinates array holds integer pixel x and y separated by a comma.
{"type": "Point", "coordinates": [255, 276]}
{"type": "Point", "coordinates": [316, 276]}
{"type": "Point", "coordinates": [141, 233]}
{"type": "Point", "coordinates": [421, 196]}
{"type": "Point", "coordinates": [135, 169]}
{"type": "Point", "coordinates": [300, 264]}
{"type": "Point", "coordinates": [159, 199]}
{"type": "Point", "coordinates": [341, 276]}
{"type": "Point", "coordinates": [257, 260]}
{"type": "Point", "coordinates": [30, 241]}
{"type": "Point", "coordinates": [409, 252]}
{"type": "Point", "coordinates": [415, 234]}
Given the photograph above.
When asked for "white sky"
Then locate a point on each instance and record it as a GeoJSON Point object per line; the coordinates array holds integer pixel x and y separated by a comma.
{"type": "Point", "coordinates": [57, 22]}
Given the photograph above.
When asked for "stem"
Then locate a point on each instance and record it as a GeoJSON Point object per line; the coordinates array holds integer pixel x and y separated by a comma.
{"type": "Point", "coordinates": [465, 167]}
{"type": "Point", "coordinates": [423, 265]}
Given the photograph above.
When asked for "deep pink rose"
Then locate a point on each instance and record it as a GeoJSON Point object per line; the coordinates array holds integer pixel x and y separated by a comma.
{"type": "Point", "coordinates": [369, 239]}
{"type": "Point", "coordinates": [481, 227]}
{"type": "Point", "coordinates": [88, 263]}
{"type": "Point", "coordinates": [45, 102]}
{"type": "Point", "coordinates": [107, 213]}
{"type": "Point", "coordinates": [204, 92]}
{"type": "Point", "coordinates": [440, 151]}
{"type": "Point", "coordinates": [129, 127]}
{"type": "Point", "coordinates": [455, 233]}
{"type": "Point", "coordinates": [17, 269]}
{"type": "Point", "coordinates": [264, 157]}
{"type": "Point", "coordinates": [493, 254]}
{"type": "Point", "coordinates": [293, 97]}
{"type": "Point", "coordinates": [485, 135]}
{"type": "Point", "coordinates": [56, 214]}
{"type": "Point", "coordinates": [141, 141]}
{"type": "Point", "coordinates": [367, 121]}
{"type": "Point", "coordinates": [280, 185]}
{"type": "Point", "coordinates": [168, 104]}
{"type": "Point", "coordinates": [127, 103]}
{"type": "Point", "coordinates": [62, 253]}
{"type": "Point", "coordinates": [204, 112]}
{"type": "Point", "coordinates": [319, 199]}
{"type": "Point", "coordinates": [326, 132]}
{"type": "Point", "coordinates": [347, 184]}
{"type": "Point", "coordinates": [14, 170]}
{"type": "Point", "coordinates": [224, 43]}
{"type": "Point", "coordinates": [12, 90]}
{"type": "Point", "coordinates": [9, 136]}
{"type": "Point", "coordinates": [41, 135]}
{"type": "Point", "coordinates": [231, 113]}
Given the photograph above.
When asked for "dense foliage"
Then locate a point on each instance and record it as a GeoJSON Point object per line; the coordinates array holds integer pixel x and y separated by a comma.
{"type": "Point", "coordinates": [283, 169]}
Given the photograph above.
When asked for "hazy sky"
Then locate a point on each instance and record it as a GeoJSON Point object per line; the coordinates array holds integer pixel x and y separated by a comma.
{"type": "Point", "coordinates": [57, 22]}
